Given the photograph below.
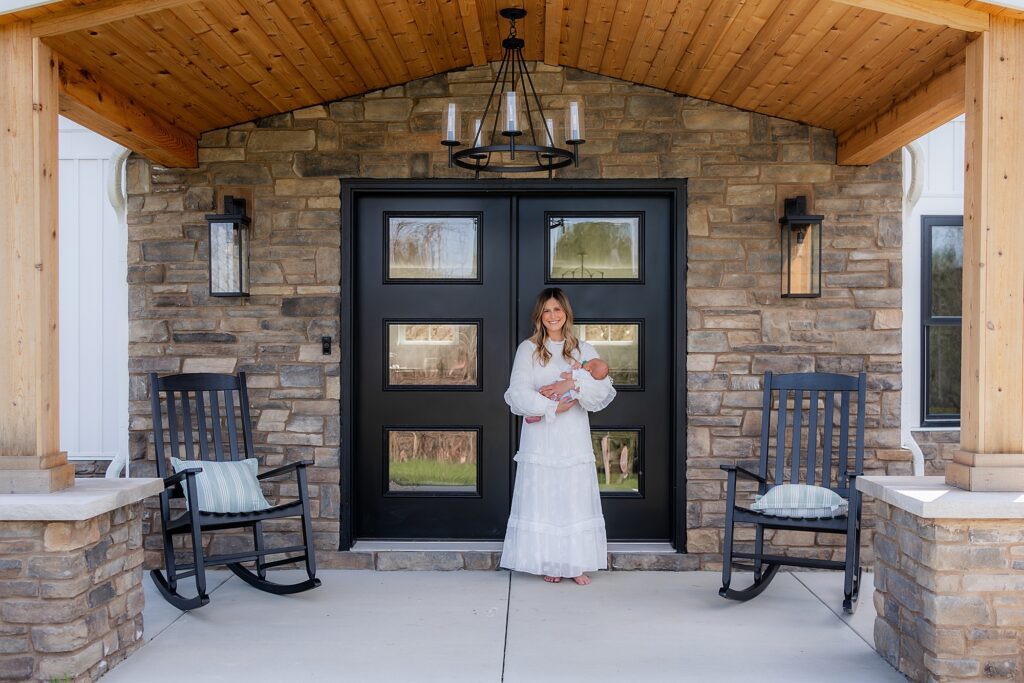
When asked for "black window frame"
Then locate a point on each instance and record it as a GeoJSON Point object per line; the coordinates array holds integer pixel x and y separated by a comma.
{"type": "Point", "coordinates": [928, 320]}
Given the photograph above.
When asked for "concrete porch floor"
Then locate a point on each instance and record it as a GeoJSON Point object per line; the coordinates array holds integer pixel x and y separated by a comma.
{"type": "Point", "coordinates": [496, 626]}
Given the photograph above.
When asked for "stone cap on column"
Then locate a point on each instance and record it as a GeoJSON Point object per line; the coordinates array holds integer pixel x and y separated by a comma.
{"type": "Point", "coordinates": [932, 498]}
{"type": "Point", "coordinates": [88, 498]}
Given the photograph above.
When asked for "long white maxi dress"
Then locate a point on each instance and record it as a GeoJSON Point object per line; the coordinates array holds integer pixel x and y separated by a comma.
{"type": "Point", "coordinates": [556, 527]}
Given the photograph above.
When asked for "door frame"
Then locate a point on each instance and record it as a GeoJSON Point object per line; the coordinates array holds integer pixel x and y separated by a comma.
{"type": "Point", "coordinates": [674, 189]}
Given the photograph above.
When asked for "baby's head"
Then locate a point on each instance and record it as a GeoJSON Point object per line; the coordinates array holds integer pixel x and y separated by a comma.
{"type": "Point", "coordinates": [597, 368]}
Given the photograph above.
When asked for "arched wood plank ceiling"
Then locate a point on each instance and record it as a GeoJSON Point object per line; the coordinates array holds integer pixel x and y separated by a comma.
{"type": "Point", "coordinates": [196, 66]}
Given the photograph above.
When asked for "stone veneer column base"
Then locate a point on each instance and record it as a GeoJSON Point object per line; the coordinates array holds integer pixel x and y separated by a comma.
{"type": "Point", "coordinates": [71, 593]}
{"type": "Point", "coordinates": [949, 580]}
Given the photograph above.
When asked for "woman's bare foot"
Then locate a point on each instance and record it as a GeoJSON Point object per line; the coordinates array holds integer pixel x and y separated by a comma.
{"type": "Point", "coordinates": [556, 579]}
{"type": "Point", "coordinates": [581, 580]}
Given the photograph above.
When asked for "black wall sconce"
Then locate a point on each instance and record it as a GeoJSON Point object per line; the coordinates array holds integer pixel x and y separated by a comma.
{"type": "Point", "coordinates": [229, 249]}
{"type": "Point", "coordinates": [800, 237]}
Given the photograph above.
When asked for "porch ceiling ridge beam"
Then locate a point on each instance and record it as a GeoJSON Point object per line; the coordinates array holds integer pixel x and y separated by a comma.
{"type": "Point", "coordinates": [554, 11]}
{"type": "Point", "coordinates": [97, 14]}
{"type": "Point", "coordinates": [927, 107]}
{"type": "Point", "coordinates": [474, 34]}
{"type": "Point", "coordinates": [940, 12]}
{"type": "Point", "coordinates": [101, 108]}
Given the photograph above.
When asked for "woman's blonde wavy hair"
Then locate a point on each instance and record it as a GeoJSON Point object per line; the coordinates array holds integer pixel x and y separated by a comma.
{"type": "Point", "coordinates": [540, 333]}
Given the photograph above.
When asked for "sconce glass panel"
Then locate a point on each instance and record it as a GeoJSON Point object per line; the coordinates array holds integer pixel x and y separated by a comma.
{"type": "Point", "coordinates": [801, 260]}
{"type": "Point", "coordinates": [229, 259]}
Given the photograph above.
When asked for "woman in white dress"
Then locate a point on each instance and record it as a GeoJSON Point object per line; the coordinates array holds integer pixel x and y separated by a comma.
{"type": "Point", "coordinates": [556, 528]}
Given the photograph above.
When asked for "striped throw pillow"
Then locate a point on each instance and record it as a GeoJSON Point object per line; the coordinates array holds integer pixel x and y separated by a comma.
{"type": "Point", "coordinates": [229, 486]}
{"type": "Point", "coordinates": [800, 500]}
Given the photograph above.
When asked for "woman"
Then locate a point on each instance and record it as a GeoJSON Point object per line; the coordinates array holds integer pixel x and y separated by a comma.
{"type": "Point", "coordinates": [556, 528]}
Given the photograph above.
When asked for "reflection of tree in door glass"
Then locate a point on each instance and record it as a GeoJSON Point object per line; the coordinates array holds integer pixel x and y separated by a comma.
{"type": "Point", "coordinates": [432, 460]}
{"type": "Point", "coordinates": [617, 457]}
{"type": "Point", "coordinates": [425, 354]}
{"type": "Point", "coordinates": [432, 248]}
{"type": "Point", "coordinates": [584, 248]}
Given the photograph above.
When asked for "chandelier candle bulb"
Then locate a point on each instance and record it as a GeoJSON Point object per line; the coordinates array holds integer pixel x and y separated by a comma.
{"type": "Point", "coordinates": [550, 130]}
{"type": "Point", "coordinates": [511, 115]}
{"type": "Point", "coordinates": [477, 132]}
{"type": "Point", "coordinates": [574, 124]}
{"type": "Point", "coordinates": [451, 129]}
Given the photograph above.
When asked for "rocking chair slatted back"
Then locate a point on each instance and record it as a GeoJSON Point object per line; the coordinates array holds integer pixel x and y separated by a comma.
{"type": "Point", "coordinates": [214, 418]}
{"type": "Point", "coordinates": [796, 461]}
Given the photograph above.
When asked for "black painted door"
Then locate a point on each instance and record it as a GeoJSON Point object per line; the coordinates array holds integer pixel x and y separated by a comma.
{"type": "Point", "coordinates": [613, 256]}
{"type": "Point", "coordinates": [443, 287]}
{"type": "Point", "coordinates": [431, 361]}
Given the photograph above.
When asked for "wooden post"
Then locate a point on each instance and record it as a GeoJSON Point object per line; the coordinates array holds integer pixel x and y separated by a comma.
{"type": "Point", "coordinates": [992, 380]}
{"type": "Point", "coordinates": [30, 456]}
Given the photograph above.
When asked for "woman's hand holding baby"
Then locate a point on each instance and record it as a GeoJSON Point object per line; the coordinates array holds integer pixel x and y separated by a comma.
{"type": "Point", "coordinates": [556, 389]}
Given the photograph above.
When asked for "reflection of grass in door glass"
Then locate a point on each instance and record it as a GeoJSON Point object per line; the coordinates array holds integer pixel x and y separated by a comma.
{"type": "Point", "coordinates": [630, 483]}
{"type": "Point", "coordinates": [429, 472]}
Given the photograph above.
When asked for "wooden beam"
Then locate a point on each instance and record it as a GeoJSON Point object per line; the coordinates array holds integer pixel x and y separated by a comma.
{"type": "Point", "coordinates": [30, 456]}
{"type": "Point", "coordinates": [554, 10]}
{"type": "Point", "coordinates": [929, 106]}
{"type": "Point", "coordinates": [104, 110]}
{"type": "Point", "coordinates": [97, 14]}
{"type": "Point", "coordinates": [474, 36]}
{"type": "Point", "coordinates": [992, 363]}
{"type": "Point", "coordinates": [940, 12]}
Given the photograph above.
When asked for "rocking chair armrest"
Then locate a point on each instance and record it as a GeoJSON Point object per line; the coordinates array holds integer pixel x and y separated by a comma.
{"type": "Point", "coordinates": [745, 472]}
{"type": "Point", "coordinates": [180, 476]}
{"type": "Point", "coordinates": [284, 469]}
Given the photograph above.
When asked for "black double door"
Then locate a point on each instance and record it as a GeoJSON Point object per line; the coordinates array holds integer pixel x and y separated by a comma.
{"type": "Point", "coordinates": [444, 283]}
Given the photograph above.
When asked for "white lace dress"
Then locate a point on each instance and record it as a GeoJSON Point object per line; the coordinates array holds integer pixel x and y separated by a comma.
{"type": "Point", "coordinates": [556, 527]}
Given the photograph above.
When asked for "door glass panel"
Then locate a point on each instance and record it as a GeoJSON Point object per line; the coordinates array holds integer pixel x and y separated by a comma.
{"type": "Point", "coordinates": [943, 369]}
{"type": "Point", "coordinates": [947, 246]}
{"type": "Point", "coordinates": [432, 354]}
{"type": "Point", "coordinates": [619, 460]}
{"type": "Point", "coordinates": [433, 247]}
{"type": "Point", "coordinates": [594, 247]}
{"type": "Point", "coordinates": [618, 344]}
{"type": "Point", "coordinates": [433, 461]}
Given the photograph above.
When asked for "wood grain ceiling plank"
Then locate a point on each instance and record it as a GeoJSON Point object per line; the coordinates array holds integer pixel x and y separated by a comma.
{"type": "Point", "coordinates": [474, 31]}
{"type": "Point", "coordinates": [939, 12]}
{"type": "Point", "coordinates": [308, 23]}
{"type": "Point", "coordinates": [553, 13]}
{"type": "Point", "coordinates": [493, 28]}
{"type": "Point", "coordinates": [572, 31]}
{"type": "Point", "coordinates": [279, 29]}
{"type": "Point", "coordinates": [879, 44]}
{"type": "Point", "coordinates": [454, 31]}
{"type": "Point", "coordinates": [731, 47]}
{"type": "Point", "coordinates": [200, 24]}
{"type": "Point", "coordinates": [786, 17]}
{"type": "Point", "coordinates": [686, 22]}
{"type": "Point", "coordinates": [627, 18]}
{"type": "Point", "coordinates": [123, 118]}
{"type": "Point", "coordinates": [811, 29]}
{"type": "Point", "coordinates": [99, 51]}
{"type": "Point", "coordinates": [175, 37]}
{"type": "Point", "coordinates": [99, 13]}
{"type": "Point", "coordinates": [371, 25]}
{"type": "Point", "coordinates": [798, 69]}
{"type": "Point", "coordinates": [597, 25]}
{"type": "Point", "coordinates": [532, 30]}
{"type": "Point", "coordinates": [430, 24]}
{"type": "Point", "coordinates": [717, 23]}
{"type": "Point", "coordinates": [397, 17]}
{"type": "Point", "coordinates": [870, 89]}
{"type": "Point", "coordinates": [231, 18]}
{"type": "Point", "coordinates": [657, 17]}
{"type": "Point", "coordinates": [357, 51]}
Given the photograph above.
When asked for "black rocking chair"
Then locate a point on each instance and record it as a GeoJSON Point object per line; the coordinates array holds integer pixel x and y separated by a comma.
{"type": "Point", "coordinates": [797, 465]}
{"type": "Point", "coordinates": [196, 392]}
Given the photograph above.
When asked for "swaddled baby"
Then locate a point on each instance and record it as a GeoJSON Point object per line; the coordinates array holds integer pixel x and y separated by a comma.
{"type": "Point", "coordinates": [597, 368]}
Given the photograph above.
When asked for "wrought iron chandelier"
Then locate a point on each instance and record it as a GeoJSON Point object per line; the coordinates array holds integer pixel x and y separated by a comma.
{"type": "Point", "coordinates": [514, 89]}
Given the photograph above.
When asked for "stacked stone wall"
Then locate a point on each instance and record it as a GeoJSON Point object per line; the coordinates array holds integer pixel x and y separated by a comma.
{"type": "Point", "coordinates": [71, 596]}
{"type": "Point", "coordinates": [739, 167]}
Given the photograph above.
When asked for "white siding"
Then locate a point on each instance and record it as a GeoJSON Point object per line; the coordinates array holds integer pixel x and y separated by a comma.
{"type": "Point", "coordinates": [93, 301]}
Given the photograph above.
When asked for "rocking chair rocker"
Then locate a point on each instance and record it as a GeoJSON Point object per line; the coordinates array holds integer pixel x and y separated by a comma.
{"type": "Point", "coordinates": [796, 465]}
{"type": "Point", "coordinates": [210, 390]}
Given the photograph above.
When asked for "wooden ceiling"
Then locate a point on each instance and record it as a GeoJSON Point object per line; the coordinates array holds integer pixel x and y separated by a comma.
{"type": "Point", "coordinates": [201, 65]}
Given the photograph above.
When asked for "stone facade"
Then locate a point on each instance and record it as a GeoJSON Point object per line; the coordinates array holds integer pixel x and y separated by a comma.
{"type": "Point", "coordinates": [739, 166]}
{"type": "Point", "coordinates": [949, 596]}
{"type": "Point", "coordinates": [71, 596]}
{"type": "Point", "coordinates": [938, 447]}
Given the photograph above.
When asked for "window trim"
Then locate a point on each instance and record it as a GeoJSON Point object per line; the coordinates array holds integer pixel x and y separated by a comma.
{"type": "Point", "coordinates": [928, 320]}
